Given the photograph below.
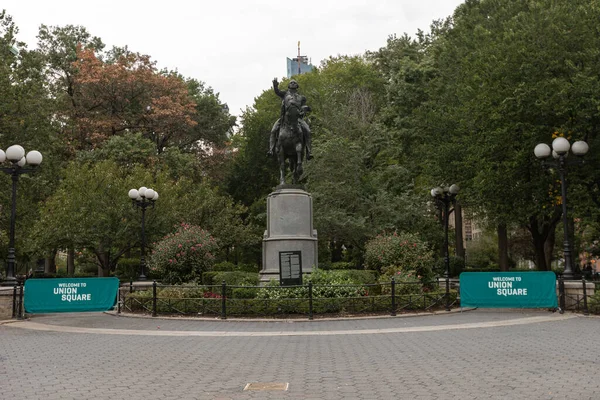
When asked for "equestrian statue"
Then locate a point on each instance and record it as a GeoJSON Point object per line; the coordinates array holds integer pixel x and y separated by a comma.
{"type": "Point", "coordinates": [290, 135]}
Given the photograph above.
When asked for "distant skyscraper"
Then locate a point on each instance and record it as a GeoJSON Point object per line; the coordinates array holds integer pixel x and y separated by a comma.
{"type": "Point", "coordinates": [298, 65]}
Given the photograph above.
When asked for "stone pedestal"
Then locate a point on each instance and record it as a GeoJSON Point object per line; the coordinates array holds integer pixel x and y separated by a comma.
{"type": "Point", "coordinates": [289, 235]}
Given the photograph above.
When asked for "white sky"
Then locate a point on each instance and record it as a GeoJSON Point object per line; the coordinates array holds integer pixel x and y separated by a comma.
{"type": "Point", "coordinates": [236, 47]}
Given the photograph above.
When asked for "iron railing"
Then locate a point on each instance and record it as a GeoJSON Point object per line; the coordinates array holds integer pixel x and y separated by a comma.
{"type": "Point", "coordinates": [278, 301]}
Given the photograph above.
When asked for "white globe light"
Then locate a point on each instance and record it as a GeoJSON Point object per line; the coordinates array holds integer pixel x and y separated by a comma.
{"type": "Point", "coordinates": [555, 155]}
{"type": "Point", "coordinates": [34, 158]}
{"type": "Point", "coordinates": [454, 189]}
{"type": "Point", "coordinates": [561, 145]}
{"type": "Point", "coordinates": [142, 191]}
{"type": "Point", "coordinates": [2, 156]}
{"type": "Point", "coordinates": [580, 148]}
{"type": "Point", "coordinates": [22, 162]}
{"type": "Point", "coordinates": [542, 150]}
{"type": "Point", "coordinates": [15, 153]}
{"type": "Point", "coordinates": [133, 194]}
{"type": "Point", "coordinates": [155, 196]}
{"type": "Point", "coordinates": [438, 191]}
{"type": "Point", "coordinates": [149, 194]}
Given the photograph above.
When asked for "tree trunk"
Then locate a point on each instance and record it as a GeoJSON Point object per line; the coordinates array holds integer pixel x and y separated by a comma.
{"type": "Point", "coordinates": [103, 262]}
{"type": "Point", "coordinates": [458, 228]}
{"type": "Point", "coordinates": [336, 251]}
{"type": "Point", "coordinates": [71, 261]}
{"type": "Point", "coordinates": [549, 247]}
{"type": "Point", "coordinates": [50, 264]}
{"type": "Point", "coordinates": [502, 247]}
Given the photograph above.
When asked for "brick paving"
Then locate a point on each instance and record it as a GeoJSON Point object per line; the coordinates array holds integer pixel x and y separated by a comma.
{"type": "Point", "coordinates": [422, 357]}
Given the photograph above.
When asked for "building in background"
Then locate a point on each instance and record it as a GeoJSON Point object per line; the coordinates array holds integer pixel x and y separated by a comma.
{"type": "Point", "coordinates": [298, 65]}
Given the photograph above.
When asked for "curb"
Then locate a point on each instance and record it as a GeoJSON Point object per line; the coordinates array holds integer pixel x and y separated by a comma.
{"type": "Point", "coordinates": [288, 320]}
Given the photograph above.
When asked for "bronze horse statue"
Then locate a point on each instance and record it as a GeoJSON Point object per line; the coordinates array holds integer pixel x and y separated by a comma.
{"type": "Point", "coordinates": [290, 143]}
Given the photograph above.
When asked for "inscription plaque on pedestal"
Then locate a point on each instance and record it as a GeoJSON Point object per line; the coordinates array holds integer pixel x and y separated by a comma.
{"type": "Point", "coordinates": [290, 268]}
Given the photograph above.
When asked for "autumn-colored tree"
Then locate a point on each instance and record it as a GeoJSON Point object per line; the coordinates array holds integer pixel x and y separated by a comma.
{"type": "Point", "coordinates": [128, 94]}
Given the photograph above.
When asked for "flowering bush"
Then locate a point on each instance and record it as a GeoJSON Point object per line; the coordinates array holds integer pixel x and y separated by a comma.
{"type": "Point", "coordinates": [396, 252]}
{"type": "Point", "coordinates": [407, 282]}
{"type": "Point", "coordinates": [182, 256]}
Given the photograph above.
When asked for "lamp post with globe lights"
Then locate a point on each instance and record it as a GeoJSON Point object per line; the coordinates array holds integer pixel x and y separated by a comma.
{"type": "Point", "coordinates": [444, 197]}
{"type": "Point", "coordinates": [19, 163]}
{"type": "Point", "coordinates": [143, 198]}
{"type": "Point", "coordinates": [560, 151]}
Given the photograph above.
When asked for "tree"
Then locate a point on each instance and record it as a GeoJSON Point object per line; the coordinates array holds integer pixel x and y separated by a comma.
{"type": "Point", "coordinates": [508, 75]}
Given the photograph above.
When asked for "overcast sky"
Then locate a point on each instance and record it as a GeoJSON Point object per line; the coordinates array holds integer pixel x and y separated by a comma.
{"type": "Point", "coordinates": [237, 47]}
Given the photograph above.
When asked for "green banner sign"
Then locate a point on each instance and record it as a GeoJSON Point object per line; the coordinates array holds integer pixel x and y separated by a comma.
{"type": "Point", "coordinates": [508, 289]}
{"type": "Point", "coordinates": [70, 294]}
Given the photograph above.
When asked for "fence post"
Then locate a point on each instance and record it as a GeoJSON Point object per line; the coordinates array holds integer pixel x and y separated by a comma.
{"type": "Point", "coordinates": [154, 298]}
{"type": "Point", "coordinates": [20, 314]}
{"type": "Point", "coordinates": [561, 294]}
{"type": "Point", "coordinates": [223, 300]}
{"type": "Point", "coordinates": [119, 299]}
{"type": "Point", "coordinates": [310, 301]}
{"type": "Point", "coordinates": [14, 313]}
{"type": "Point", "coordinates": [585, 305]}
{"type": "Point", "coordinates": [447, 292]}
{"type": "Point", "coordinates": [130, 286]}
{"type": "Point", "coordinates": [393, 313]}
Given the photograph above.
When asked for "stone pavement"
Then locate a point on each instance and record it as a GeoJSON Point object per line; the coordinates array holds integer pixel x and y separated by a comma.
{"type": "Point", "coordinates": [480, 354]}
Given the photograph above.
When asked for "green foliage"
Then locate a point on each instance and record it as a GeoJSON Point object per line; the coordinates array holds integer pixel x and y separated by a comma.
{"type": "Point", "coordinates": [224, 266]}
{"type": "Point", "coordinates": [594, 302]}
{"type": "Point", "coordinates": [457, 265]}
{"type": "Point", "coordinates": [392, 253]}
{"type": "Point", "coordinates": [184, 255]}
{"type": "Point", "coordinates": [128, 269]}
{"type": "Point", "coordinates": [482, 253]}
{"type": "Point", "coordinates": [342, 277]}
{"type": "Point", "coordinates": [338, 265]}
{"type": "Point", "coordinates": [233, 278]}
{"type": "Point", "coordinates": [407, 283]}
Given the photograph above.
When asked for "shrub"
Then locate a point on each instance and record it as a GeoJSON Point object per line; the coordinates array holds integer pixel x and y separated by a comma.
{"type": "Point", "coordinates": [229, 266]}
{"type": "Point", "coordinates": [182, 256]}
{"type": "Point", "coordinates": [339, 265]}
{"type": "Point", "coordinates": [128, 269]}
{"type": "Point", "coordinates": [234, 278]}
{"type": "Point", "coordinates": [407, 282]}
{"type": "Point", "coordinates": [395, 252]}
{"type": "Point", "coordinates": [457, 265]}
{"type": "Point", "coordinates": [224, 266]}
{"type": "Point", "coordinates": [594, 302]}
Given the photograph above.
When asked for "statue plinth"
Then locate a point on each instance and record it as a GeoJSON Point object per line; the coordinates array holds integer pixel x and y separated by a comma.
{"type": "Point", "coordinates": [290, 241]}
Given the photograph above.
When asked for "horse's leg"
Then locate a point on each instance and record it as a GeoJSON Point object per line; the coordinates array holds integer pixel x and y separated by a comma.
{"type": "Point", "coordinates": [298, 170]}
{"type": "Point", "coordinates": [281, 157]}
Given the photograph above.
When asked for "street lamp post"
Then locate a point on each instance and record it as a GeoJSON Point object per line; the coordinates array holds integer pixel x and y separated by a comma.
{"type": "Point", "coordinates": [18, 161]}
{"type": "Point", "coordinates": [560, 151]}
{"type": "Point", "coordinates": [444, 197]}
{"type": "Point", "coordinates": [143, 198]}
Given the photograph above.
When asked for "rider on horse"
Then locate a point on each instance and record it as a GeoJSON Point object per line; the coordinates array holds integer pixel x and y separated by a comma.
{"type": "Point", "coordinates": [291, 97]}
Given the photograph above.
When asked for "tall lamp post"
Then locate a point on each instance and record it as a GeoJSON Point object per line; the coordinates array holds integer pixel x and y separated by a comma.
{"type": "Point", "coordinates": [560, 151]}
{"type": "Point", "coordinates": [143, 198]}
{"type": "Point", "coordinates": [444, 197]}
{"type": "Point", "coordinates": [18, 165]}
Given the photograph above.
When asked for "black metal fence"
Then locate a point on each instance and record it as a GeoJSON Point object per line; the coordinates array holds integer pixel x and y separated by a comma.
{"type": "Point", "coordinates": [277, 301]}
{"type": "Point", "coordinates": [224, 300]}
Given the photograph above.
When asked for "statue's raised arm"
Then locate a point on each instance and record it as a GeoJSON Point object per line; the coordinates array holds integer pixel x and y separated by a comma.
{"type": "Point", "coordinates": [276, 88]}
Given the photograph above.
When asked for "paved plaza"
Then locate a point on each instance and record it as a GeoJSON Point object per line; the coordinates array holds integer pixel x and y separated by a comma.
{"type": "Point", "coordinates": [479, 354]}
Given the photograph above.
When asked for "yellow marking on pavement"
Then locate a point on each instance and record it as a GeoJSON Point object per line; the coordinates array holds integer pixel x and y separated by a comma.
{"type": "Point", "coordinates": [263, 386]}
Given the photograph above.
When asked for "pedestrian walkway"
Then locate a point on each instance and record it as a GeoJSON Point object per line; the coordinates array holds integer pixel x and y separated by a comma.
{"type": "Point", "coordinates": [480, 354]}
